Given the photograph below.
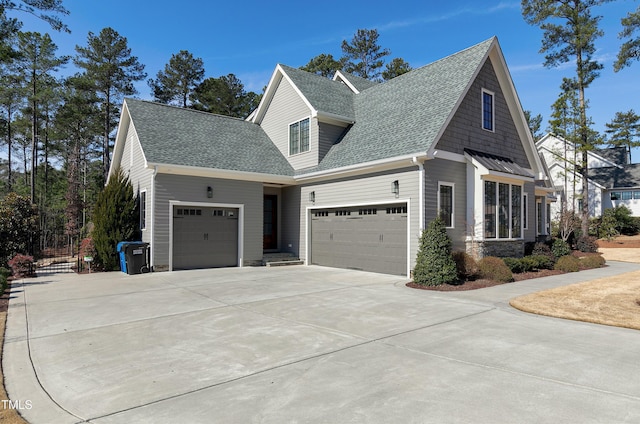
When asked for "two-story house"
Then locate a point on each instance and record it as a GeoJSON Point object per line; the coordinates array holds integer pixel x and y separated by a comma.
{"type": "Point", "coordinates": [613, 179]}
{"type": "Point", "coordinates": [341, 172]}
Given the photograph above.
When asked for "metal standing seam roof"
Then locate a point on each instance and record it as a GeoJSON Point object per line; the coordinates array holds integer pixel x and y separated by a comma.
{"type": "Point", "coordinates": [499, 163]}
{"type": "Point", "coordinates": [177, 136]}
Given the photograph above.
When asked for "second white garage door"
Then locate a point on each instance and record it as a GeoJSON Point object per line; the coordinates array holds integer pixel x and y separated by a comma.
{"type": "Point", "coordinates": [369, 238]}
{"type": "Point", "coordinates": [204, 237]}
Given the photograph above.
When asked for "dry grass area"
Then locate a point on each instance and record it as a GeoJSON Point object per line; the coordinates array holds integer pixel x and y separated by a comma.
{"type": "Point", "coordinates": [610, 301]}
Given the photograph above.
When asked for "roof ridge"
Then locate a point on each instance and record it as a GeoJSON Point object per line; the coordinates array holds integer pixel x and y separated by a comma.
{"type": "Point", "coordinates": [185, 109]}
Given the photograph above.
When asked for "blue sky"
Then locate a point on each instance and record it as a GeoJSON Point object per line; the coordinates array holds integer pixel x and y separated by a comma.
{"type": "Point", "coordinates": [249, 38]}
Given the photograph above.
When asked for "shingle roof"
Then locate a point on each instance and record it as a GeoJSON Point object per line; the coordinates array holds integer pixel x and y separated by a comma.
{"type": "Point", "coordinates": [405, 115]}
{"type": "Point", "coordinates": [614, 177]}
{"type": "Point", "coordinates": [177, 136]}
{"type": "Point", "coordinates": [324, 94]}
{"type": "Point", "coordinates": [359, 83]}
{"type": "Point", "coordinates": [617, 155]}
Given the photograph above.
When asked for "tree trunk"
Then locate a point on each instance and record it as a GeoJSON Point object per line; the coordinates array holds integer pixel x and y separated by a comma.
{"type": "Point", "coordinates": [105, 155]}
{"type": "Point", "coordinates": [9, 176]}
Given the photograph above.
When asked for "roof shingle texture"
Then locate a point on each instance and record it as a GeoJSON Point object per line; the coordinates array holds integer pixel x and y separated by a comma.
{"type": "Point", "coordinates": [176, 136]}
{"type": "Point", "coordinates": [404, 116]}
{"type": "Point", "coordinates": [614, 177]}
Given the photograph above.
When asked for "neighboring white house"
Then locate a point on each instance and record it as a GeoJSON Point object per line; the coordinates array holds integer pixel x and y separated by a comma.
{"type": "Point", "coordinates": [613, 181]}
{"type": "Point", "coordinates": [341, 172]}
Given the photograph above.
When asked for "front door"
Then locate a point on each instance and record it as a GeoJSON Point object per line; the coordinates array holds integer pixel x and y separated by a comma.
{"type": "Point", "coordinates": [270, 224]}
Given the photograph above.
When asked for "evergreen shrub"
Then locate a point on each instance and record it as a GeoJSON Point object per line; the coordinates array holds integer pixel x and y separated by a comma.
{"type": "Point", "coordinates": [434, 262]}
{"type": "Point", "coordinates": [568, 263]}
{"type": "Point", "coordinates": [493, 268]}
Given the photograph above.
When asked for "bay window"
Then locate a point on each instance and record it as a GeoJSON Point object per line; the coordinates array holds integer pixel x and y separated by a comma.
{"type": "Point", "coordinates": [502, 210]}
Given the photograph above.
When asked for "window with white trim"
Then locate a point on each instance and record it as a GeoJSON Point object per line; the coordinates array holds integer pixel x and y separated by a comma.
{"type": "Point", "coordinates": [502, 210]}
{"type": "Point", "coordinates": [488, 107]}
{"type": "Point", "coordinates": [143, 210]}
{"type": "Point", "coordinates": [299, 137]}
{"type": "Point", "coordinates": [445, 203]}
{"type": "Point", "coordinates": [525, 210]}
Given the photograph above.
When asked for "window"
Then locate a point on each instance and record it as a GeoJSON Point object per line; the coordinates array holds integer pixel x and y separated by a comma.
{"type": "Point", "coordinates": [636, 194]}
{"type": "Point", "coordinates": [299, 137]}
{"type": "Point", "coordinates": [502, 210]}
{"type": "Point", "coordinates": [539, 209]}
{"type": "Point", "coordinates": [525, 211]}
{"type": "Point", "coordinates": [143, 210]}
{"type": "Point", "coordinates": [487, 110]}
{"type": "Point", "coordinates": [615, 195]}
{"type": "Point", "coordinates": [445, 203]}
{"type": "Point", "coordinates": [626, 195]}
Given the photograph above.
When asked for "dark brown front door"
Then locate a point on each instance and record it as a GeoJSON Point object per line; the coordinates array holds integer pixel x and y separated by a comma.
{"type": "Point", "coordinates": [270, 225]}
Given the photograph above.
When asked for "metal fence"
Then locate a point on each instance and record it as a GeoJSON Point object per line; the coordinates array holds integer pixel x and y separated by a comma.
{"type": "Point", "coordinates": [60, 256]}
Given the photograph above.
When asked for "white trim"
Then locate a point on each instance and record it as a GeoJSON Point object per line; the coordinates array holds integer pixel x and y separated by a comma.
{"type": "Point", "coordinates": [289, 154]}
{"type": "Point", "coordinates": [443, 154]}
{"type": "Point", "coordinates": [345, 81]}
{"type": "Point", "coordinates": [493, 110]}
{"type": "Point", "coordinates": [145, 210]}
{"type": "Point", "coordinates": [239, 206]}
{"type": "Point", "coordinates": [421, 191]}
{"type": "Point", "coordinates": [453, 201]}
{"type": "Point", "coordinates": [309, 209]}
{"type": "Point", "coordinates": [196, 171]}
{"type": "Point", "coordinates": [525, 219]}
{"type": "Point", "coordinates": [153, 215]}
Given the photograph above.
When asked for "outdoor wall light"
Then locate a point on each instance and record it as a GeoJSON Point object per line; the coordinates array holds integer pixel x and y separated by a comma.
{"type": "Point", "coordinates": [209, 192]}
{"type": "Point", "coordinates": [312, 197]}
{"type": "Point", "coordinates": [395, 188]}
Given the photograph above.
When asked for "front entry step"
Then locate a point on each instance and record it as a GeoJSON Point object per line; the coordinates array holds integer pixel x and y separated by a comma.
{"type": "Point", "coordinates": [281, 259]}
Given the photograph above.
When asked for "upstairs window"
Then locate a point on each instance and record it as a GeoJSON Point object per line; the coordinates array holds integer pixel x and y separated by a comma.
{"type": "Point", "coordinates": [487, 110]}
{"type": "Point", "coordinates": [299, 137]}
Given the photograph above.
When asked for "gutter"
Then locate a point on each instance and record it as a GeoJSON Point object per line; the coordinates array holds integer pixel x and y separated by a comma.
{"type": "Point", "coordinates": [153, 215]}
{"type": "Point", "coordinates": [420, 166]}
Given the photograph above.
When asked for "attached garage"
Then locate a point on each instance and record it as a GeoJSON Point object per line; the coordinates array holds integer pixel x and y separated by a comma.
{"type": "Point", "coordinates": [369, 238]}
{"type": "Point", "coordinates": [204, 237]}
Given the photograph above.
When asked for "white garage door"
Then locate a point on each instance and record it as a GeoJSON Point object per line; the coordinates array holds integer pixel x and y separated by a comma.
{"type": "Point", "coordinates": [204, 237]}
{"type": "Point", "coordinates": [369, 238]}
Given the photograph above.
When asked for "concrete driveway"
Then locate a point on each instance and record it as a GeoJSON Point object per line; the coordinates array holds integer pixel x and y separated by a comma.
{"type": "Point", "coordinates": [308, 345]}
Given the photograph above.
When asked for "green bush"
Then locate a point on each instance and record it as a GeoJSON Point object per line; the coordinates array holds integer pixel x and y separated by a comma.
{"type": "Point", "coordinates": [5, 272]}
{"type": "Point", "coordinates": [515, 265]}
{"type": "Point", "coordinates": [18, 227]}
{"type": "Point", "coordinates": [568, 264]}
{"type": "Point", "coordinates": [543, 249]}
{"type": "Point", "coordinates": [587, 244]}
{"type": "Point", "coordinates": [434, 263]}
{"type": "Point", "coordinates": [466, 265]}
{"type": "Point", "coordinates": [560, 248]}
{"type": "Point", "coordinates": [591, 262]}
{"type": "Point", "coordinates": [608, 228]}
{"type": "Point", "coordinates": [538, 262]}
{"type": "Point", "coordinates": [493, 268]}
{"type": "Point", "coordinates": [4, 276]}
{"type": "Point", "coordinates": [625, 223]}
{"type": "Point", "coordinates": [115, 219]}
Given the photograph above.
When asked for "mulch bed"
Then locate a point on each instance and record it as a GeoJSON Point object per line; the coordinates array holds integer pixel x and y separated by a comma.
{"type": "Point", "coordinates": [483, 283]}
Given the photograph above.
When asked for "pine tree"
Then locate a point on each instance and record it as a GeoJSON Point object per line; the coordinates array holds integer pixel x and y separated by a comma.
{"type": "Point", "coordinates": [114, 219]}
{"type": "Point", "coordinates": [435, 264]}
{"type": "Point", "coordinates": [180, 77]}
{"type": "Point", "coordinates": [363, 56]}
{"type": "Point", "coordinates": [625, 131]}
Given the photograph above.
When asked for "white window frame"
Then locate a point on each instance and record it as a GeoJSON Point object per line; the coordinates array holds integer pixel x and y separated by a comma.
{"type": "Point", "coordinates": [509, 212]}
{"type": "Point", "coordinates": [143, 211]}
{"type": "Point", "coordinates": [453, 201]}
{"type": "Point", "coordinates": [300, 151]}
{"type": "Point", "coordinates": [493, 110]}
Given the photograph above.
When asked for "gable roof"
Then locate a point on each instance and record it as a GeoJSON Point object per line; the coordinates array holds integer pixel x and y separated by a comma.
{"type": "Point", "coordinates": [357, 84]}
{"type": "Point", "coordinates": [407, 114]}
{"type": "Point", "coordinates": [171, 135]}
{"type": "Point", "coordinates": [617, 155]}
{"type": "Point", "coordinates": [615, 177]}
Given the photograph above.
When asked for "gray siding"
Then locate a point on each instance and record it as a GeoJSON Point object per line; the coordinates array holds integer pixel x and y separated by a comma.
{"type": "Point", "coordinates": [530, 230]}
{"type": "Point", "coordinates": [133, 165]}
{"type": "Point", "coordinates": [287, 107]}
{"type": "Point", "coordinates": [439, 170]}
{"type": "Point", "coordinates": [465, 129]}
{"type": "Point", "coordinates": [328, 135]}
{"type": "Point", "coordinates": [194, 189]}
{"type": "Point", "coordinates": [278, 192]}
{"type": "Point", "coordinates": [371, 189]}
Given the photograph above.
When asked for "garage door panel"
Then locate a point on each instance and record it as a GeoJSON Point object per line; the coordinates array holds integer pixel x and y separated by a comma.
{"type": "Point", "coordinates": [206, 239]}
{"type": "Point", "coordinates": [370, 238]}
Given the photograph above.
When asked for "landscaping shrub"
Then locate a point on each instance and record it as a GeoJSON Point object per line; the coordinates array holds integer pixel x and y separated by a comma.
{"type": "Point", "coordinates": [515, 265]}
{"type": "Point", "coordinates": [590, 262]}
{"type": "Point", "coordinates": [493, 268]}
{"type": "Point", "coordinates": [587, 244]}
{"type": "Point", "coordinates": [18, 226]}
{"type": "Point", "coordinates": [22, 266]}
{"type": "Point", "coordinates": [543, 249]}
{"type": "Point", "coordinates": [466, 265]}
{"type": "Point", "coordinates": [625, 222]}
{"type": "Point", "coordinates": [434, 264]}
{"type": "Point", "coordinates": [115, 219]}
{"type": "Point", "coordinates": [568, 264]}
{"type": "Point", "coordinates": [560, 248]}
{"type": "Point", "coordinates": [4, 276]}
{"type": "Point", "coordinates": [608, 228]}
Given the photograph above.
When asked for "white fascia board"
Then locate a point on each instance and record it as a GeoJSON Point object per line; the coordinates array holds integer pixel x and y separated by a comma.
{"type": "Point", "coordinates": [443, 154]}
{"type": "Point", "coordinates": [362, 168]}
{"type": "Point", "coordinates": [332, 118]}
{"type": "Point", "coordinates": [121, 138]}
{"type": "Point", "coordinates": [268, 94]}
{"type": "Point", "coordinates": [222, 174]}
{"type": "Point", "coordinates": [345, 81]}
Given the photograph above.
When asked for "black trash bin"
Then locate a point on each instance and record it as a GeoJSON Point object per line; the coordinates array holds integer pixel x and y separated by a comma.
{"type": "Point", "coordinates": [136, 255]}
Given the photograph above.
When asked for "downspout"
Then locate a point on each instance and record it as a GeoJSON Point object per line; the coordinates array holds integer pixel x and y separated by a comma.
{"type": "Point", "coordinates": [153, 216]}
{"type": "Point", "coordinates": [420, 166]}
